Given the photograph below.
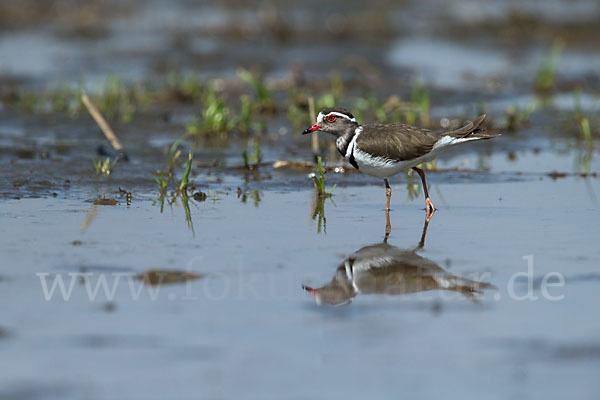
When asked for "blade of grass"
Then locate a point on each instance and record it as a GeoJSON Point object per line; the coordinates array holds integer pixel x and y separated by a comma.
{"type": "Point", "coordinates": [186, 174]}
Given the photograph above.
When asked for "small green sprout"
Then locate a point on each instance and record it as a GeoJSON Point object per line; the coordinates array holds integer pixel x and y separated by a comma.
{"type": "Point", "coordinates": [319, 180]}
{"type": "Point", "coordinates": [545, 78]}
{"type": "Point", "coordinates": [245, 122]}
{"type": "Point", "coordinates": [162, 183]}
{"type": "Point", "coordinates": [105, 166]}
{"type": "Point", "coordinates": [186, 175]}
{"type": "Point", "coordinates": [420, 100]}
{"type": "Point", "coordinates": [172, 155]}
{"type": "Point", "coordinates": [215, 117]}
{"type": "Point", "coordinates": [253, 160]}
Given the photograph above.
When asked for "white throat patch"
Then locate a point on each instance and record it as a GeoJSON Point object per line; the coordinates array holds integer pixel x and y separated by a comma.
{"type": "Point", "coordinates": [350, 149]}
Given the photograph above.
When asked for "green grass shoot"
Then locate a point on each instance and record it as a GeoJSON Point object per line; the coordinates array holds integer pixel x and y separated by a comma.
{"type": "Point", "coordinates": [545, 78]}
{"type": "Point", "coordinates": [162, 183]}
{"type": "Point", "coordinates": [421, 102]}
{"type": "Point", "coordinates": [319, 180]}
{"type": "Point", "coordinates": [245, 122]}
{"type": "Point", "coordinates": [172, 155]}
{"type": "Point", "coordinates": [252, 160]}
{"type": "Point", "coordinates": [584, 125]}
{"type": "Point", "coordinates": [105, 166]}
{"type": "Point", "coordinates": [186, 175]}
{"type": "Point", "coordinates": [215, 117]}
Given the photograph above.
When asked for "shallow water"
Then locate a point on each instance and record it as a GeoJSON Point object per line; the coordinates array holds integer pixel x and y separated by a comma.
{"type": "Point", "coordinates": [248, 323]}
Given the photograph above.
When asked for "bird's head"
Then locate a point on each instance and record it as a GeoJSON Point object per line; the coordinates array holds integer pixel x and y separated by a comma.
{"type": "Point", "coordinates": [331, 295]}
{"type": "Point", "coordinates": [333, 120]}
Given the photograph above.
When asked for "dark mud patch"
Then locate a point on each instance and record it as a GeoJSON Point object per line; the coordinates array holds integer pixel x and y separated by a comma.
{"type": "Point", "coordinates": [105, 202]}
{"type": "Point", "coordinates": [204, 353]}
{"type": "Point", "coordinates": [4, 333]}
{"type": "Point", "coordinates": [200, 197]}
{"type": "Point", "coordinates": [35, 390]}
{"type": "Point", "coordinates": [558, 175]}
{"type": "Point", "coordinates": [120, 341]}
{"type": "Point", "coordinates": [109, 307]}
{"type": "Point", "coordinates": [545, 350]}
{"type": "Point", "coordinates": [569, 279]}
{"type": "Point", "coordinates": [157, 277]}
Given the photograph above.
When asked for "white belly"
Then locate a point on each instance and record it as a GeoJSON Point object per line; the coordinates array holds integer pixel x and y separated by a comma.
{"type": "Point", "coordinates": [384, 168]}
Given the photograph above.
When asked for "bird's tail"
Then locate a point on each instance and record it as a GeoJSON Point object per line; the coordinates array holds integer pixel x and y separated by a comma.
{"type": "Point", "coordinates": [472, 130]}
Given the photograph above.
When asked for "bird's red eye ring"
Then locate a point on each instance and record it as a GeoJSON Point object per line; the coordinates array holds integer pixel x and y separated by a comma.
{"type": "Point", "coordinates": [331, 118]}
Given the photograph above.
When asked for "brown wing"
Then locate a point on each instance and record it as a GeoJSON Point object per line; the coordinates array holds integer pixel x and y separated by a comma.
{"type": "Point", "coordinates": [396, 141]}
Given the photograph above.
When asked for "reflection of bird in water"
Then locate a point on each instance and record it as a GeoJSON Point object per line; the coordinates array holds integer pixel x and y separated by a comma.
{"type": "Point", "coordinates": [386, 269]}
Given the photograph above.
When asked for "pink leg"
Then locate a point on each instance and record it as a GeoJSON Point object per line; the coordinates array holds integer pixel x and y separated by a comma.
{"type": "Point", "coordinates": [429, 207]}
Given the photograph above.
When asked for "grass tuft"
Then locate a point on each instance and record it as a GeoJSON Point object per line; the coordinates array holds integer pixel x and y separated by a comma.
{"type": "Point", "coordinates": [184, 87]}
{"type": "Point", "coordinates": [181, 188]}
{"type": "Point", "coordinates": [264, 97]}
{"type": "Point", "coordinates": [215, 117]}
{"type": "Point", "coordinates": [516, 118]}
